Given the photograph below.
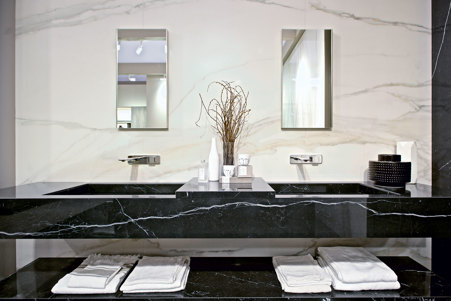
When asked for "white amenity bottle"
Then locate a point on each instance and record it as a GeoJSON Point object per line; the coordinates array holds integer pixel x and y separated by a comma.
{"type": "Point", "coordinates": [213, 162]}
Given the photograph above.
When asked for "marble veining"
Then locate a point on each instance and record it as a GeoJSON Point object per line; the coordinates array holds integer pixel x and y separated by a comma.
{"type": "Point", "coordinates": [386, 85]}
{"type": "Point", "coordinates": [444, 165]}
{"type": "Point", "coordinates": [442, 41]}
{"type": "Point", "coordinates": [275, 3]}
{"type": "Point", "coordinates": [84, 12]}
{"type": "Point", "coordinates": [371, 20]}
{"type": "Point", "coordinates": [133, 220]}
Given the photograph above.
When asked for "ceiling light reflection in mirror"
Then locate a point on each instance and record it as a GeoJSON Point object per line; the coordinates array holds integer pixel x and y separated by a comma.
{"type": "Point", "coordinates": [142, 79]}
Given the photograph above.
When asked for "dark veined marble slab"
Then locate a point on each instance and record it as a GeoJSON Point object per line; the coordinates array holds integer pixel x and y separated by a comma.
{"type": "Point", "coordinates": [224, 278]}
{"type": "Point", "coordinates": [290, 210]}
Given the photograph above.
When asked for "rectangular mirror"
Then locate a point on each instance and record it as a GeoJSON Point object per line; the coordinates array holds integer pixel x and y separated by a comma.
{"type": "Point", "coordinates": [306, 79]}
{"type": "Point", "coordinates": [142, 87]}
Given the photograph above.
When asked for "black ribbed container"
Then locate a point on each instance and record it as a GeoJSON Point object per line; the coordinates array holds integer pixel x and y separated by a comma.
{"type": "Point", "coordinates": [389, 171]}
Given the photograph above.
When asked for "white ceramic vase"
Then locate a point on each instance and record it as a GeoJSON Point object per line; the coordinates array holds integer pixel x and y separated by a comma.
{"type": "Point", "coordinates": [213, 162]}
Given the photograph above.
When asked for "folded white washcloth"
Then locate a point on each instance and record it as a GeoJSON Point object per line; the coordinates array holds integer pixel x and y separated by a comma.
{"type": "Point", "coordinates": [297, 269]}
{"type": "Point", "coordinates": [356, 265]}
{"type": "Point", "coordinates": [93, 276]}
{"type": "Point", "coordinates": [63, 287]}
{"type": "Point", "coordinates": [158, 274]}
{"type": "Point", "coordinates": [178, 285]}
{"type": "Point", "coordinates": [301, 274]}
{"type": "Point", "coordinates": [361, 286]}
{"type": "Point", "coordinates": [306, 287]}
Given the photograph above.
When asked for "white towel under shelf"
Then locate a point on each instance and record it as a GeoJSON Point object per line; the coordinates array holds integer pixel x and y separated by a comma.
{"type": "Point", "coordinates": [126, 263]}
{"type": "Point", "coordinates": [158, 274]}
{"type": "Point", "coordinates": [301, 274]}
{"type": "Point", "coordinates": [358, 286]}
{"type": "Point", "coordinates": [93, 276]}
{"type": "Point", "coordinates": [356, 265]}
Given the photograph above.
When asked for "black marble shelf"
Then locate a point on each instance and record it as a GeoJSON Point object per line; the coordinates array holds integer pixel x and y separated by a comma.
{"type": "Point", "coordinates": [224, 278]}
{"type": "Point", "coordinates": [278, 210]}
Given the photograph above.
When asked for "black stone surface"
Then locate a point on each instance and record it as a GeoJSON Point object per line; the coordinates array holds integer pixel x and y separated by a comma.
{"type": "Point", "coordinates": [193, 189]}
{"type": "Point", "coordinates": [441, 95]}
{"type": "Point", "coordinates": [224, 278]}
{"type": "Point", "coordinates": [441, 120]}
{"type": "Point", "coordinates": [120, 189]}
{"type": "Point", "coordinates": [328, 189]}
{"type": "Point", "coordinates": [301, 210]}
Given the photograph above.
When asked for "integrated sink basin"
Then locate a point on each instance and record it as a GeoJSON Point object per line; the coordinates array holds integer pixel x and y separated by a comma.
{"type": "Point", "coordinates": [353, 189]}
{"type": "Point", "coordinates": [194, 189]}
{"type": "Point", "coordinates": [119, 189]}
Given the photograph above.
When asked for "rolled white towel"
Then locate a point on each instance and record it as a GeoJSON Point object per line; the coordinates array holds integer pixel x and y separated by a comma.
{"type": "Point", "coordinates": [356, 265]}
{"type": "Point", "coordinates": [127, 262]}
{"type": "Point", "coordinates": [360, 286]}
{"type": "Point", "coordinates": [158, 274]}
{"type": "Point", "coordinates": [301, 274]}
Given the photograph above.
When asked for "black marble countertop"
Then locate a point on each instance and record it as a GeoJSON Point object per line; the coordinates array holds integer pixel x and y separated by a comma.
{"type": "Point", "coordinates": [47, 190]}
{"type": "Point", "coordinates": [225, 278]}
{"type": "Point", "coordinates": [174, 210]}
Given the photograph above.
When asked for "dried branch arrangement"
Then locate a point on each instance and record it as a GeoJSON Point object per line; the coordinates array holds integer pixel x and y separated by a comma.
{"type": "Point", "coordinates": [229, 112]}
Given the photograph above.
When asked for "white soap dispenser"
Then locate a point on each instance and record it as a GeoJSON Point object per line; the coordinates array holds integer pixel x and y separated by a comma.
{"type": "Point", "coordinates": [213, 162]}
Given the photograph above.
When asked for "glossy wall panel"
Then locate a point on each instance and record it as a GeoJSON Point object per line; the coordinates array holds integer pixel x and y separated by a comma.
{"type": "Point", "coordinates": [65, 116]}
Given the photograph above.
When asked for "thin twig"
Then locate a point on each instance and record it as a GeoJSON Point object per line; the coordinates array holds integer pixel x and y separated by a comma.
{"type": "Point", "coordinates": [229, 113]}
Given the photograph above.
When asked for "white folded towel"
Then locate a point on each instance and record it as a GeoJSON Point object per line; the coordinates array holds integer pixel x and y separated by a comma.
{"type": "Point", "coordinates": [295, 269]}
{"type": "Point", "coordinates": [360, 286]}
{"type": "Point", "coordinates": [93, 276]}
{"type": "Point", "coordinates": [356, 265]}
{"type": "Point", "coordinates": [158, 274]}
{"type": "Point", "coordinates": [178, 285]}
{"type": "Point", "coordinates": [301, 274]}
{"type": "Point", "coordinates": [126, 263]}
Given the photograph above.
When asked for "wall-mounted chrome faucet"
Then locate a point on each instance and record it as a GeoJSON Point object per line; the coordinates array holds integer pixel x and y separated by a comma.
{"type": "Point", "coordinates": [142, 159]}
{"type": "Point", "coordinates": [306, 159]}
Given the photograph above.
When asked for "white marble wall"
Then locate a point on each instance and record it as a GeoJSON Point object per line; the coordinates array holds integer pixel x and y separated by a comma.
{"type": "Point", "coordinates": [65, 87]}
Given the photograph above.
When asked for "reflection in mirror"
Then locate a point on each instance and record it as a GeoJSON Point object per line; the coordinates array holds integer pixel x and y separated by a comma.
{"type": "Point", "coordinates": [306, 79]}
{"type": "Point", "coordinates": [141, 99]}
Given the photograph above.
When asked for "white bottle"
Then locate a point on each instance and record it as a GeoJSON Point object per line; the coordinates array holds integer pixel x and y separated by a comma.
{"type": "Point", "coordinates": [203, 173]}
{"type": "Point", "coordinates": [213, 162]}
{"type": "Point", "coordinates": [409, 153]}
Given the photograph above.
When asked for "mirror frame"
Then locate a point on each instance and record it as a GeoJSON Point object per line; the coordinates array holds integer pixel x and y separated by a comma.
{"type": "Point", "coordinates": [328, 83]}
{"type": "Point", "coordinates": [167, 81]}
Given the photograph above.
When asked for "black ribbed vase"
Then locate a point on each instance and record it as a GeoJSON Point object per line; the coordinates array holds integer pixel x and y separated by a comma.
{"type": "Point", "coordinates": [389, 171]}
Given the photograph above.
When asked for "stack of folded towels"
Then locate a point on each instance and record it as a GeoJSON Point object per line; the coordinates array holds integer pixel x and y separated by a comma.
{"type": "Point", "coordinates": [356, 269]}
{"type": "Point", "coordinates": [97, 274]}
{"type": "Point", "coordinates": [158, 274]}
{"type": "Point", "coordinates": [301, 274]}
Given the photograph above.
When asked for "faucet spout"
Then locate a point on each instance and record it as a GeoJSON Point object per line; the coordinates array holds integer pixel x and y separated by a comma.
{"type": "Point", "coordinates": [306, 159]}
{"type": "Point", "coordinates": [142, 159]}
